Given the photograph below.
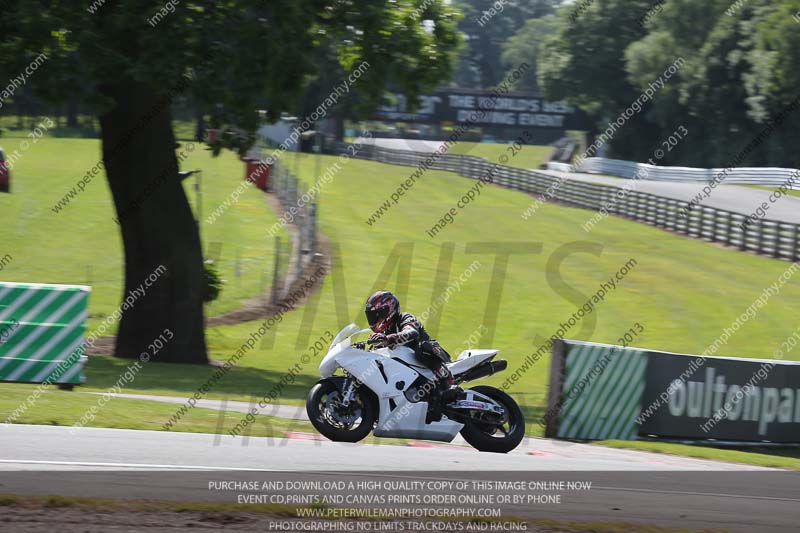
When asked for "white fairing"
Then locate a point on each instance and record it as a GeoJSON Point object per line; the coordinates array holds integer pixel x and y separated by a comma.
{"type": "Point", "coordinates": [469, 359]}
{"type": "Point", "coordinates": [341, 342]}
{"type": "Point", "coordinates": [389, 380]}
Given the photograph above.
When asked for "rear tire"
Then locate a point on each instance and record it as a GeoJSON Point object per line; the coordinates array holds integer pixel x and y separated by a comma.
{"type": "Point", "coordinates": [488, 437]}
{"type": "Point", "coordinates": [328, 420]}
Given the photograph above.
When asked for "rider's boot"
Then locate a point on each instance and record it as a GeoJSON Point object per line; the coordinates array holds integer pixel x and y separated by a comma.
{"type": "Point", "coordinates": [445, 383]}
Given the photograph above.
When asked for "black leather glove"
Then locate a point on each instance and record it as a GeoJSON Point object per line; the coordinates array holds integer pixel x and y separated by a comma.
{"type": "Point", "coordinates": [377, 339]}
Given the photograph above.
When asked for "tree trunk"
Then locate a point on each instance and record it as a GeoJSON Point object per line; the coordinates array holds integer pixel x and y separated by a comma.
{"type": "Point", "coordinates": [485, 65]}
{"type": "Point", "coordinates": [19, 105]}
{"type": "Point", "coordinates": [200, 129]}
{"type": "Point", "coordinates": [72, 110]}
{"type": "Point", "coordinates": [338, 127]}
{"type": "Point", "coordinates": [158, 228]}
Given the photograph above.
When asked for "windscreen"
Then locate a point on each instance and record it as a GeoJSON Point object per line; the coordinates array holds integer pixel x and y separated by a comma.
{"type": "Point", "coordinates": [347, 331]}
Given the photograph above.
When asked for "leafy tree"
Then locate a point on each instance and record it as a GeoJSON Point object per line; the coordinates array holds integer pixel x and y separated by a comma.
{"type": "Point", "coordinates": [526, 46]}
{"type": "Point", "coordinates": [585, 64]}
{"type": "Point", "coordinates": [232, 57]}
{"type": "Point", "coordinates": [740, 70]}
{"type": "Point", "coordinates": [773, 81]}
{"type": "Point", "coordinates": [486, 26]}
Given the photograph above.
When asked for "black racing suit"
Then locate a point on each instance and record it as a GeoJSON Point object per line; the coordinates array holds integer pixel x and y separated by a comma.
{"type": "Point", "coordinates": [409, 331]}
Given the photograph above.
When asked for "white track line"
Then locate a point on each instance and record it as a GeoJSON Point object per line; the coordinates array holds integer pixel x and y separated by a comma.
{"type": "Point", "coordinates": [135, 465]}
{"type": "Point", "coordinates": [690, 493]}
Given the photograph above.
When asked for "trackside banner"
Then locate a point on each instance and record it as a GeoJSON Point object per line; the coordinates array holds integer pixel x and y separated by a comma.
{"type": "Point", "coordinates": [721, 398]}
{"type": "Point", "coordinates": [634, 392]}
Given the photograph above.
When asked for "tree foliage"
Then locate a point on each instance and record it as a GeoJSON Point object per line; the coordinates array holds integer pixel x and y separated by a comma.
{"type": "Point", "coordinates": [741, 70]}
{"type": "Point", "coordinates": [233, 58]}
{"type": "Point", "coordinates": [243, 55]}
{"type": "Point", "coordinates": [486, 25]}
{"type": "Point", "coordinates": [526, 46]}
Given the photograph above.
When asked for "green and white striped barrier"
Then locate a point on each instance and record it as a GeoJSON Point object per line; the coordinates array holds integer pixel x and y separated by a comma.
{"type": "Point", "coordinates": [42, 332]}
{"type": "Point", "coordinates": [603, 388]}
{"type": "Point", "coordinates": [600, 391]}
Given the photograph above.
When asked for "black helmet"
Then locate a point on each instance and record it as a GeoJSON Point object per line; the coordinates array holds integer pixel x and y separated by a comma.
{"type": "Point", "coordinates": [382, 310]}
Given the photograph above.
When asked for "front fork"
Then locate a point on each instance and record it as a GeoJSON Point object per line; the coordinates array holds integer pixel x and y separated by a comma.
{"type": "Point", "coordinates": [349, 390]}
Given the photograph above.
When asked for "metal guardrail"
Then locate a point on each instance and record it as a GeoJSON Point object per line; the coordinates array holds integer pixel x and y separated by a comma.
{"type": "Point", "coordinates": [777, 239]}
{"type": "Point", "coordinates": [630, 169]}
{"type": "Point", "coordinates": [294, 259]}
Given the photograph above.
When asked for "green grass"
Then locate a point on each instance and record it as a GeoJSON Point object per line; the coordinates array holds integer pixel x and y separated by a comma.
{"type": "Point", "coordinates": [62, 408]}
{"type": "Point", "coordinates": [82, 244]}
{"type": "Point", "coordinates": [791, 192]}
{"type": "Point", "coordinates": [683, 291]}
{"type": "Point", "coordinates": [241, 383]}
{"type": "Point", "coordinates": [528, 156]}
{"type": "Point", "coordinates": [65, 408]}
{"type": "Point", "coordinates": [786, 458]}
{"type": "Point", "coordinates": [88, 127]}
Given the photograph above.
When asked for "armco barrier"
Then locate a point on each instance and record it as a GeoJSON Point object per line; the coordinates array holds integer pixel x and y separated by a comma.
{"type": "Point", "coordinates": [42, 332]}
{"type": "Point", "coordinates": [769, 176]}
{"type": "Point", "coordinates": [777, 239]}
{"type": "Point", "coordinates": [599, 391]}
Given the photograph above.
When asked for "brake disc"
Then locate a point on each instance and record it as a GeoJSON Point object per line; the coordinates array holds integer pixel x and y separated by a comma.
{"type": "Point", "coordinates": [339, 414]}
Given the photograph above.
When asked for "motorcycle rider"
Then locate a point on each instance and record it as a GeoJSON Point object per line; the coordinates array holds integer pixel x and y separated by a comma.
{"type": "Point", "coordinates": [391, 327]}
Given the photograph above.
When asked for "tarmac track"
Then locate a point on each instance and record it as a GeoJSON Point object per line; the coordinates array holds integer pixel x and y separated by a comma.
{"type": "Point", "coordinates": [736, 198]}
{"type": "Point", "coordinates": [627, 486]}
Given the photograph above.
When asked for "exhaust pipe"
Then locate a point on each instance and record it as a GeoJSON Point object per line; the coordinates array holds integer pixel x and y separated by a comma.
{"type": "Point", "coordinates": [486, 369]}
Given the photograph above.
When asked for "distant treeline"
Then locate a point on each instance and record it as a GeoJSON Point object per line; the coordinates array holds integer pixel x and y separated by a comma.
{"type": "Point", "coordinates": [736, 93]}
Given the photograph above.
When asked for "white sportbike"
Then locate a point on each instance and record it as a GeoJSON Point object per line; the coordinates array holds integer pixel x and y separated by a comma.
{"type": "Point", "coordinates": [392, 393]}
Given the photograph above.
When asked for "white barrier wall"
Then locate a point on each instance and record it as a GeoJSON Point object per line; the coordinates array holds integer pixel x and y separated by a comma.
{"type": "Point", "coordinates": [631, 169]}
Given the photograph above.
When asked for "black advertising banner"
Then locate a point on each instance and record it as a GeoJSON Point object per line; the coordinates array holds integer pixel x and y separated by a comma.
{"type": "Point", "coordinates": [511, 109]}
{"type": "Point", "coordinates": [721, 398]}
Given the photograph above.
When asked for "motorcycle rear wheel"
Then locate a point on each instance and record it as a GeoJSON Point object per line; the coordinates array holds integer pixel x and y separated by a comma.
{"type": "Point", "coordinates": [339, 423]}
{"type": "Point", "coordinates": [496, 438]}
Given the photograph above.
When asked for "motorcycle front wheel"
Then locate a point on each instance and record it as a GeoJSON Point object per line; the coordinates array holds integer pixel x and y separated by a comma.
{"type": "Point", "coordinates": [489, 435]}
{"type": "Point", "coordinates": [335, 421]}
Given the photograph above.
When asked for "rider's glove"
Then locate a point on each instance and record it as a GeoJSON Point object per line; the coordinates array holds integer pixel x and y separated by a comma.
{"type": "Point", "coordinates": [392, 339]}
{"type": "Point", "coordinates": [377, 338]}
